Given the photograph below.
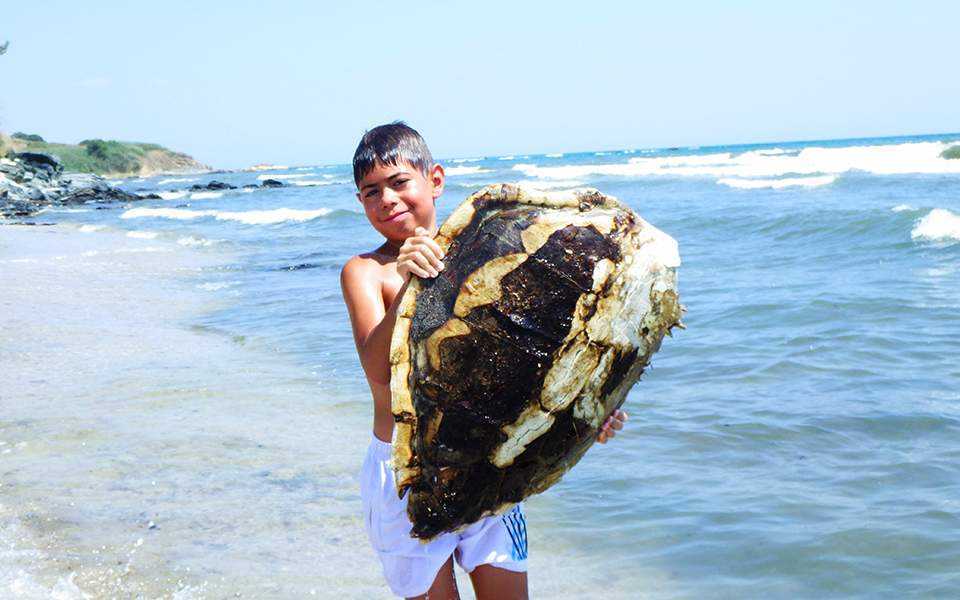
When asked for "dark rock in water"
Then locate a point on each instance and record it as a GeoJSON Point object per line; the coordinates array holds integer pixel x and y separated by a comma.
{"type": "Point", "coordinates": [271, 183]}
{"type": "Point", "coordinates": [150, 196]}
{"type": "Point", "coordinates": [250, 185]}
{"type": "Point", "coordinates": [39, 160]}
{"type": "Point", "coordinates": [212, 186]}
{"type": "Point", "coordinates": [84, 195]}
{"type": "Point", "coordinates": [505, 366]}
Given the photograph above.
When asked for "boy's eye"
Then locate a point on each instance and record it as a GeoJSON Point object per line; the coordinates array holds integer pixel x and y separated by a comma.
{"type": "Point", "coordinates": [371, 194]}
{"type": "Point", "coordinates": [400, 182]}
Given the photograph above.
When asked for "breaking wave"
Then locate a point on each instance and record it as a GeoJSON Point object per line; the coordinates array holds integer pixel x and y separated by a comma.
{"type": "Point", "coordinates": [888, 159]}
{"type": "Point", "coordinates": [176, 180]}
{"type": "Point", "coordinates": [193, 240]}
{"type": "Point", "coordinates": [205, 195]}
{"type": "Point", "coordinates": [172, 195]}
{"type": "Point", "coordinates": [939, 225]}
{"type": "Point", "coordinates": [466, 170]}
{"type": "Point", "coordinates": [313, 182]}
{"type": "Point", "coordinates": [776, 184]}
{"type": "Point", "coordinates": [142, 235]}
{"type": "Point", "coordinates": [250, 217]}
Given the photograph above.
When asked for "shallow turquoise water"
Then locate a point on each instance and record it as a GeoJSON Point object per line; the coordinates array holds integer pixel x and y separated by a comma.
{"type": "Point", "coordinates": [799, 439]}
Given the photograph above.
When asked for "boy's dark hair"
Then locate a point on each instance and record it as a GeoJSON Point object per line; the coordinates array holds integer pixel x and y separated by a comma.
{"type": "Point", "coordinates": [389, 145]}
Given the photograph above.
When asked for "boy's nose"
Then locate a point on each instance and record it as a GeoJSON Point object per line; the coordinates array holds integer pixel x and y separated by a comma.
{"type": "Point", "coordinates": [389, 197]}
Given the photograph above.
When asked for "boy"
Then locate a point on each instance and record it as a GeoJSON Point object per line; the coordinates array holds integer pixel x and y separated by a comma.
{"type": "Point", "coordinates": [398, 185]}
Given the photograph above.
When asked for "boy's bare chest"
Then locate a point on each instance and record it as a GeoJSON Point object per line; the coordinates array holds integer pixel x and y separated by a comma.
{"type": "Point", "coordinates": [390, 283]}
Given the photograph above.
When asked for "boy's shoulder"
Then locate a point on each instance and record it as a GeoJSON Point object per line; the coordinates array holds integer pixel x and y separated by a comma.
{"type": "Point", "coordinates": [367, 267]}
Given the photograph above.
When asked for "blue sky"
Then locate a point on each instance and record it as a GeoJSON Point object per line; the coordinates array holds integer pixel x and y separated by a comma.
{"type": "Point", "coordinates": [235, 83]}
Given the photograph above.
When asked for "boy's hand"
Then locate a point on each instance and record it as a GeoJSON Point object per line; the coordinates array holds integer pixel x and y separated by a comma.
{"type": "Point", "coordinates": [611, 426]}
{"type": "Point", "coordinates": [419, 255]}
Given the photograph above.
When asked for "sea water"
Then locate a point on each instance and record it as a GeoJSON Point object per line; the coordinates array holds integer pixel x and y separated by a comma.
{"type": "Point", "coordinates": [182, 413]}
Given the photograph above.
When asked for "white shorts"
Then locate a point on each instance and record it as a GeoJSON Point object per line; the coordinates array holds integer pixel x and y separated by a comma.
{"type": "Point", "coordinates": [409, 565]}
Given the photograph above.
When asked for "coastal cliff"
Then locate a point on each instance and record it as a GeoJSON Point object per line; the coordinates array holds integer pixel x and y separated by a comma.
{"type": "Point", "coordinates": [109, 158]}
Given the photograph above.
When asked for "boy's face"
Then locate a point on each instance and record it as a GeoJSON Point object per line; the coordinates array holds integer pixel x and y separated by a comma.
{"type": "Point", "coordinates": [398, 198]}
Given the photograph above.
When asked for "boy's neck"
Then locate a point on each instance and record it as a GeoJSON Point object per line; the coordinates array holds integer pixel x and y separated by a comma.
{"type": "Point", "coordinates": [390, 248]}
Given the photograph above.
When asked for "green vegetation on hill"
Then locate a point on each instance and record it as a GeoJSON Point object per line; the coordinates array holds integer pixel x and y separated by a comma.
{"type": "Point", "coordinates": [27, 137]}
{"type": "Point", "coordinates": [106, 157]}
{"type": "Point", "coordinates": [951, 152]}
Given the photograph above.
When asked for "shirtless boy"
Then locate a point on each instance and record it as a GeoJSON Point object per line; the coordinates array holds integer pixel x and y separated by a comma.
{"type": "Point", "coordinates": [398, 185]}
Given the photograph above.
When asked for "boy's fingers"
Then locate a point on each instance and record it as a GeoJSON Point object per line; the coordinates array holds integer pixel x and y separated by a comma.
{"type": "Point", "coordinates": [418, 271]}
{"type": "Point", "coordinates": [616, 424]}
{"type": "Point", "coordinates": [420, 231]}
{"type": "Point", "coordinates": [430, 254]}
{"type": "Point", "coordinates": [435, 247]}
{"type": "Point", "coordinates": [421, 261]}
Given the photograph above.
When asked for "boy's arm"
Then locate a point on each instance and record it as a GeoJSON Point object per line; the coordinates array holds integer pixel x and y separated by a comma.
{"type": "Point", "coordinates": [372, 323]}
{"type": "Point", "coordinates": [363, 294]}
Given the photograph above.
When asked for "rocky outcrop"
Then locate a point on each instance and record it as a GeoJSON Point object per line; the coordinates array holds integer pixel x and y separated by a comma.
{"type": "Point", "coordinates": [31, 181]}
{"type": "Point", "coordinates": [212, 186]}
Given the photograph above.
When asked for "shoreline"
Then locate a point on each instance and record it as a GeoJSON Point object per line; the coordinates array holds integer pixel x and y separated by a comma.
{"type": "Point", "coordinates": [133, 418]}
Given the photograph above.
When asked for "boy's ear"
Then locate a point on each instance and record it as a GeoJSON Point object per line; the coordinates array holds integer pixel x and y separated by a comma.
{"type": "Point", "coordinates": [437, 177]}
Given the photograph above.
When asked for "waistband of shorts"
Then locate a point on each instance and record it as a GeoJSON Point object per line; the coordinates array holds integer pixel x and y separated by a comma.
{"type": "Point", "coordinates": [380, 449]}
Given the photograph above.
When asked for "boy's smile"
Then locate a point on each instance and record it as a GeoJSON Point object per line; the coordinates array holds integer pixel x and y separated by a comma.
{"type": "Point", "coordinates": [398, 198]}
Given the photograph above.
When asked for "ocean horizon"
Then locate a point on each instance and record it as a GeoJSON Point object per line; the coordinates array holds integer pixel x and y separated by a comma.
{"type": "Point", "coordinates": [183, 414]}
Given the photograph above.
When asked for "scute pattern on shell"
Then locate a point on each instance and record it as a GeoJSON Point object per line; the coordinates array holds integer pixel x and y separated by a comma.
{"type": "Point", "coordinates": [504, 367]}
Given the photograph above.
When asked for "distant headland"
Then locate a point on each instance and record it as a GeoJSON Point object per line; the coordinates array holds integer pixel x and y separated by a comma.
{"type": "Point", "coordinates": [109, 158]}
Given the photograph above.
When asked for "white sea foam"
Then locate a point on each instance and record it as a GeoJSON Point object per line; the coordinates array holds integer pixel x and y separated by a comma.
{"type": "Point", "coordinates": [172, 195]}
{"type": "Point", "coordinates": [887, 159]}
{"type": "Point", "coordinates": [193, 240]}
{"type": "Point", "coordinates": [219, 285]}
{"type": "Point", "coordinates": [509, 157]}
{"type": "Point", "coordinates": [902, 208]}
{"type": "Point", "coordinates": [142, 235]}
{"type": "Point", "coordinates": [63, 210]}
{"type": "Point", "coordinates": [23, 565]}
{"type": "Point", "coordinates": [288, 176]}
{"type": "Point", "coordinates": [466, 170]}
{"type": "Point", "coordinates": [554, 155]}
{"type": "Point", "coordinates": [312, 182]}
{"type": "Point", "coordinates": [91, 228]}
{"type": "Point", "coordinates": [940, 224]}
{"type": "Point", "coordinates": [205, 195]}
{"type": "Point", "coordinates": [251, 217]}
{"type": "Point", "coordinates": [776, 184]}
{"type": "Point", "coordinates": [176, 180]}
{"type": "Point", "coordinates": [144, 249]}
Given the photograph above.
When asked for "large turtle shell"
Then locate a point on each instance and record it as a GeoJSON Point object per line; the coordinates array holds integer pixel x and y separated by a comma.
{"type": "Point", "coordinates": [504, 367]}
